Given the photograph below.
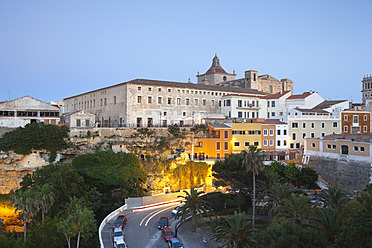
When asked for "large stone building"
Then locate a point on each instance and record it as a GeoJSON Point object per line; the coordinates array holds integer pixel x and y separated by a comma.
{"type": "Point", "coordinates": [25, 110]}
{"type": "Point", "coordinates": [216, 75]}
{"type": "Point", "coordinates": [143, 102]}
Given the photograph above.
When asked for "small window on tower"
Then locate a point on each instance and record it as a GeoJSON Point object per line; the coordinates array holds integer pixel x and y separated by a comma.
{"type": "Point", "coordinates": [224, 78]}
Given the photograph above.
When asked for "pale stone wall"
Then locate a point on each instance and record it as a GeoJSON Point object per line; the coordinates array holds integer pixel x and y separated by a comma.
{"type": "Point", "coordinates": [83, 117]}
{"type": "Point", "coordinates": [183, 104]}
{"type": "Point", "coordinates": [108, 104]}
{"type": "Point", "coordinates": [342, 174]}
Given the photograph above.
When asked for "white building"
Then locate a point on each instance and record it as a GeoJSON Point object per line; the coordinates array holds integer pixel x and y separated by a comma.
{"type": "Point", "coordinates": [80, 118]}
{"type": "Point", "coordinates": [25, 110]}
{"type": "Point", "coordinates": [274, 106]}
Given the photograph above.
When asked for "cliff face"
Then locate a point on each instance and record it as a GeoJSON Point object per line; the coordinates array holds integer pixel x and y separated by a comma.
{"type": "Point", "coordinates": [13, 167]}
{"type": "Point", "coordinates": [155, 144]}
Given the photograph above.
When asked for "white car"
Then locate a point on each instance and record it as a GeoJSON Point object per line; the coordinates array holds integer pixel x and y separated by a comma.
{"type": "Point", "coordinates": [175, 210]}
{"type": "Point", "coordinates": [118, 234]}
{"type": "Point", "coordinates": [119, 243]}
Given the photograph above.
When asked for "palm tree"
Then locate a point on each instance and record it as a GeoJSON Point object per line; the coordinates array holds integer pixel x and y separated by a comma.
{"type": "Point", "coordinates": [329, 221]}
{"type": "Point", "coordinates": [193, 205]}
{"type": "Point", "coordinates": [277, 194]}
{"type": "Point", "coordinates": [296, 208]}
{"type": "Point", "coordinates": [236, 234]}
{"type": "Point", "coordinates": [335, 198]}
{"type": "Point", "coordinates": [25, 201]}
{"type": "Point", "coordinates": [253, 161]}
{"type": "Point", "coordinates": [45, 199]}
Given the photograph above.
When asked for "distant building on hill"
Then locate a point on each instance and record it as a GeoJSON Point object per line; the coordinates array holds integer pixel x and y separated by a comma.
{"type": "Point", "coordinates": [25, 110]}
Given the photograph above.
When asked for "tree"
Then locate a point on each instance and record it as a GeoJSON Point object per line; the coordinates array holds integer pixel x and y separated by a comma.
{"type": "Point", "coordinates": [191, 174]}
{"type": "Point", "coordinates": [106, 171]}
{"type": "Point", "coordinates": [335, 198]}
{"type": "Point", "coordinates": [276, 195]}
{"type": "Point", "coordinates": [236, 234]}
{"type": "Point", "coordinates": [357, 231]}
{"type": "Point", "coordinates": [78, 222]}
{"type": "Point", "coordinates": [45, 199]}
{"type": "Point", "coordinates": [308, 177]}
{"type": "Point", "coordinates": [288, 234]}
{"type": "Point", "coordinates": [193, 205]}
{"type": "Point", "coordinates": [216, 201]}
{"type": "Point", "coordinates": [296, 208]}
{"type": "Point", "coordinates": [270, 180]}
{"type": "Point", "coordinates": [25, 202]}
{"type": "Point", "coordinates": [253, 161]}
{"type": "Point", "coordinates": [292, 172]}
{"type": "Point", "coordinates": [36, 136]}
{"type": "Point", "coordinates": [328, 221]}
{"type": "Point", "coordinates": [229, 172]}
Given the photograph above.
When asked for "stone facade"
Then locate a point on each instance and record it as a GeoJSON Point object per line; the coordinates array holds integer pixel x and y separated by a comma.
{"type": "Point", "coordinates": [143, 102]}
{"type": "Point", "coordinates": [25, 110]}
{"type": "Point", "coordinates": [350, 175]}
{"type": "Point", "coordinates": [79, 119]}
{"type": "Point", "coordinates": [216, 75]}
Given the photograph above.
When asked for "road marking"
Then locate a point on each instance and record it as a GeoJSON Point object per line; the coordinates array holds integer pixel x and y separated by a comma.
{"type": "Point", "coordinates": [153, 239]}
{"type": "Point", "coordinates": [146, 217]}
{"type": "Point", "coordinates": [157, 213]}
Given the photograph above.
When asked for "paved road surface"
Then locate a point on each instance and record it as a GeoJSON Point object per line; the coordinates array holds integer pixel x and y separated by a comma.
{"type": "Point", "coordinates": [141, 230]}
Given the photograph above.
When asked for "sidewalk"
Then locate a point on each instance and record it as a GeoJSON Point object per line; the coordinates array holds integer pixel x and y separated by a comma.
{"type": "Point", "coordinates": [195, 240]}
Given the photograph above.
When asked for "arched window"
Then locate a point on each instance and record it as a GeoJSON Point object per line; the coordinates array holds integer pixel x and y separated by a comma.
{"type": "Point", "coordinates": [254, 77]}
{"type": "Point", "coordinates": [344, 149]}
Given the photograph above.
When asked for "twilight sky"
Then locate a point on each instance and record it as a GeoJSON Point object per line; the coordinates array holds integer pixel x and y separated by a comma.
{"type": "Point", "coordinates": [55, 49]}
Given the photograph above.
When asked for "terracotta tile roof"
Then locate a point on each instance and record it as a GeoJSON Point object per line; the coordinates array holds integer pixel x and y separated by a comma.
{"type": "Point", "coordinates": [275, 96]}
{"type": "Point", "coordinates": [179, 85]}
{"type": "Point", "coordinates": [220, 126]}
{"type": "Point", "coordinates": [273, 121]}
{"type": "Point", "coordinates": [302, 96]}
{"type": "Point", "coordinates": [358, 137]}
{"type": "Point", "coordinates": [319, 111]}
{"type": "Point", "coordinates": [327, 104]}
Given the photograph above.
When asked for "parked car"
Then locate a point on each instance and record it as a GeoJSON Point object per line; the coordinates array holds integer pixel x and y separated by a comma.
{"type": "Point", "coordinates": [117, 234]}
{"type": "Point", "coordinates": [120, 221]}
{"type": "Point", "coordinates": [163, 222]}
{"type": "Point", "coordinates": [167, 233]}
{"type": "Point", "coordinates": [175, 210]}
{"type": "Point", "coordinates": [119, 243]}
{"type": "Point", "coordinates": [174, 243]}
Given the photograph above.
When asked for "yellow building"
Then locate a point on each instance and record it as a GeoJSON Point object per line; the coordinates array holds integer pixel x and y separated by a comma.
{"type": "Point", "coordinates": [244, 135]}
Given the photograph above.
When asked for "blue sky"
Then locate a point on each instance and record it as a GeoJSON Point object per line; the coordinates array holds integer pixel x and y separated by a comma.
{"type": "Point", "coordinates": [55, 49]}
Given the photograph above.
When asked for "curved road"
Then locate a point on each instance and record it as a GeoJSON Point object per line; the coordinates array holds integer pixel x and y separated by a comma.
{"type": "Point", "coordinates": [141, 230]}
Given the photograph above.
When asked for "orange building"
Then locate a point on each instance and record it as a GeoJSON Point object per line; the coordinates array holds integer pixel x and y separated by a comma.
{"type": "Point", "coordinates": [216, 145]}
{"type": "Point", "coordinates": [355, 121]}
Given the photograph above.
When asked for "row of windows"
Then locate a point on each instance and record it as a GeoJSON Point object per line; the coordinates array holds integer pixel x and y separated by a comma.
{"type": "Point", "coordinates": [272, 103]}
{"type": "Point", "coordinates": [365, 129]}
{"type": "Point", "coordinates": [246, 132]}
{"type": "Point", "coordinates": [355, 118]}
{"type": "Point", "coordinates": [258, 132]}
{"type": "Point", "coordinates": [246, 143]}
{"type": "Point", "coordinates": [29, 113]}
{"type": "Point", "coordinates": [333, 147]}
{"type": "Point", "coordinates": [246, 114]}
{"type": "Point", "coordinates": [304, 135]}
{"type": "Point", "coordinates": [178, 101]}
{"type": "Point", "coordinates": [78, 123]}
{"type": "Point", "coordinates": [195, 92]}
{"type": "Point", "coordinates": [271, 132]}
{"type": "Point", "coordinates": [246, 103]}
{"type": "Point", "coordinates": [312, 124]}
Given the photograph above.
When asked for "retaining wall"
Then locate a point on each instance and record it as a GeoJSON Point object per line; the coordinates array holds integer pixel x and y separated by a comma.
{"type": "Point", "coordinates": [349, 175]}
